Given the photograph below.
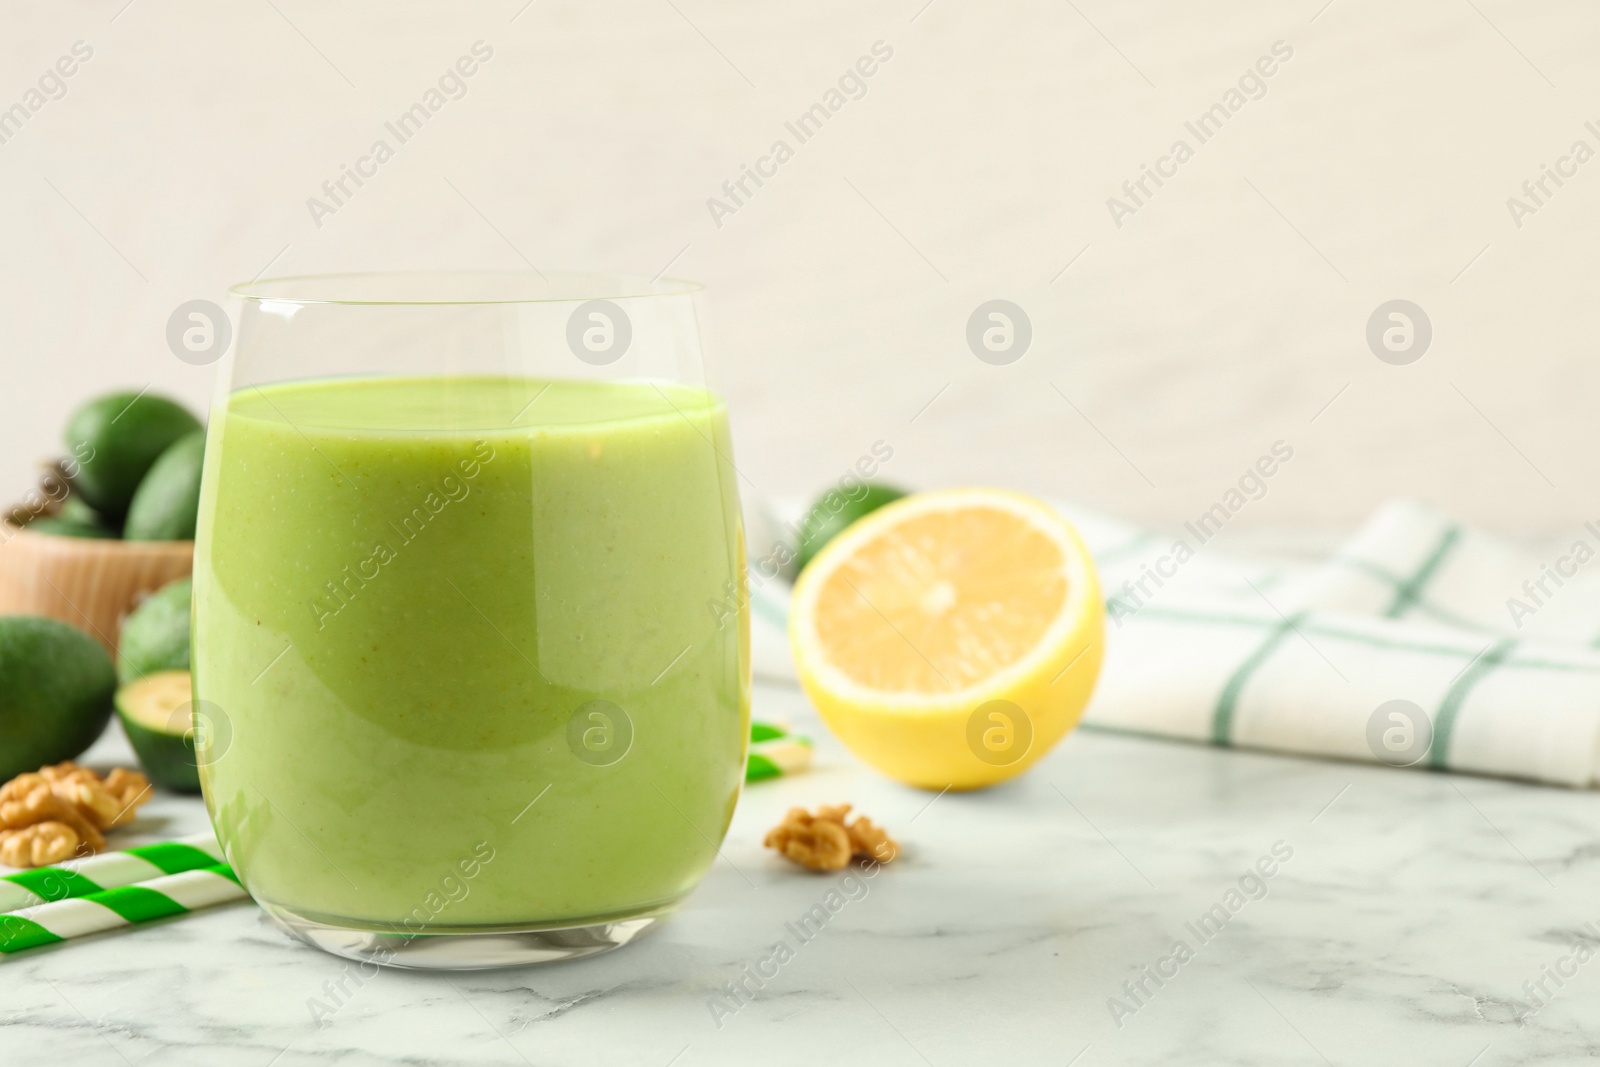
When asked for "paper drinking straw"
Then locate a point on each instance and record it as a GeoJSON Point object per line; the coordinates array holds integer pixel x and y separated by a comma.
{"type": "Point", "coordinates": [79, 878]}
{"type": "Point", "coordinates": [775, 752]}
{"type": "Point", "coordinates": [159, 898]}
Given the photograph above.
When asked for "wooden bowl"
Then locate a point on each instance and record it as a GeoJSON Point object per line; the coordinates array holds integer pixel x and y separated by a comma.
{"type": "Point", "coordinates": [91, 583]}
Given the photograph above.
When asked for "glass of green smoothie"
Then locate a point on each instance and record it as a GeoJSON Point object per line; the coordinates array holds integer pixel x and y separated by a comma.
{"type": "Point", "coordinates": [471, 649]}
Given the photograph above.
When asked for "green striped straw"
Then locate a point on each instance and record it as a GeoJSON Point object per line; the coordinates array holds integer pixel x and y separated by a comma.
{"type": "Point", "coordinates": [158, 898]}
{"type": "Point", "coordinates": [80, 878]}
{"type": "Point", "coordinates": [775, 752]}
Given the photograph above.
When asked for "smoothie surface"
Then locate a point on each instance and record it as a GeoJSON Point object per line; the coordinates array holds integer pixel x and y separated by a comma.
{"type": "Point", "coordinates": [455, 405]}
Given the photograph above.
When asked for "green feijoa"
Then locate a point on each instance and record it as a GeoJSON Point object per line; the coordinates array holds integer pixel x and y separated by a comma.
{"type": "Point", "coordinates": [61, 526]}
{"type": "Point", "coordinates": [56, 685]}
{"type": "Point", "coordinates": [114, 439]}
{"type": "Point", "coordinates": [155, 635]}
{"type": "Point", "coordinates": [166, 505]}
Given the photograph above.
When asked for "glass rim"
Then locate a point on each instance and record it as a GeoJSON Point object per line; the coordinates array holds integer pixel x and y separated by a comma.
{"type": "Point", "coordinates": [458, 287]}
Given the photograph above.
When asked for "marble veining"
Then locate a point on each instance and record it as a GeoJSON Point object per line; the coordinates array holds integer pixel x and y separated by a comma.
{"type": "Point", "coordinates": [1417, 912]}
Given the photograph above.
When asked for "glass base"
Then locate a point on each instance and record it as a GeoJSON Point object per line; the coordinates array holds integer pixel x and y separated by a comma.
{"type": "Point", "coordinates": [460, 948]}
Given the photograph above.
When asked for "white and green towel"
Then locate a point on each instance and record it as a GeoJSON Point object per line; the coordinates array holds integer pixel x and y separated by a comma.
{"type": "Point", "coordinates": [1494, 643]}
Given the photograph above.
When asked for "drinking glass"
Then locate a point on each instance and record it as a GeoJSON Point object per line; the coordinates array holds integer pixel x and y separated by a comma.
{"type": "Point", "coordinates": [471, 647]}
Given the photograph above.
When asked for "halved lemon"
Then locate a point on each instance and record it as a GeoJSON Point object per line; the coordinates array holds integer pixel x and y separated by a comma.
{"type": "Point", "coordinates": [951, 638]}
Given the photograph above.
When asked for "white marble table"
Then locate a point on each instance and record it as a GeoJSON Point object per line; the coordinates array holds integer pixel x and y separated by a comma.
{"type": "Point", "coordinates": [1401, 930]}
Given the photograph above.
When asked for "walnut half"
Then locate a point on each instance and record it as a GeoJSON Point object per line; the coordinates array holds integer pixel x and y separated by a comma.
{"type": "Point", "coordinates": [826, 842]}
{"type": "Point", "coordinates": [109, 801]}
{"type": "Point", "coordinates": [60, 811]}
{"type": "Point", "coordinates": [38, 845]}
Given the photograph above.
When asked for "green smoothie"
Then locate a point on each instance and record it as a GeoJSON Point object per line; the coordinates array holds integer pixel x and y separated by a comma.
{"type": "Point", "coordinates": [463, 635]}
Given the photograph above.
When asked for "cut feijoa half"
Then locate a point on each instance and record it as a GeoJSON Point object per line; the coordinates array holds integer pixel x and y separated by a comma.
{"type": "Point", "coordinates": [156, 715]}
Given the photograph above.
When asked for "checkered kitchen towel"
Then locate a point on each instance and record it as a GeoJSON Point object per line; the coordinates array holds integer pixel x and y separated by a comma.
{"type": "Point", "coordinates": [1494, 648]}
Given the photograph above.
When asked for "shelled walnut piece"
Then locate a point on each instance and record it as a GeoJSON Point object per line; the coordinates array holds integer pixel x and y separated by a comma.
{"type": "Point", "coordinates": [60, 811]}
{"type": "Point", "coordinates": [826, 842]}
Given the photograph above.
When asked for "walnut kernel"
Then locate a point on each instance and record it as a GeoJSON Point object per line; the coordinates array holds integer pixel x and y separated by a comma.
{"type": "Point", "coordinates": [826, 842]}
{"type": "Point", "coordinates": [38, 845]}
{"type": "Point", "coordinates": [60, 811]}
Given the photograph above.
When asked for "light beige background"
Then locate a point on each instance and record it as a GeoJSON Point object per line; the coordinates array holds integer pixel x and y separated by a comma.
{"type": "Point", "coordinates": [1225, 315]}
